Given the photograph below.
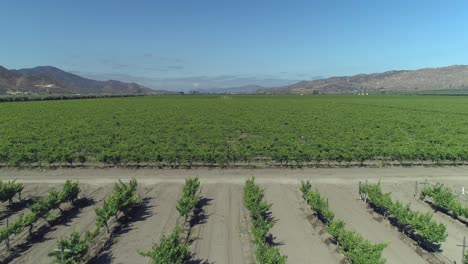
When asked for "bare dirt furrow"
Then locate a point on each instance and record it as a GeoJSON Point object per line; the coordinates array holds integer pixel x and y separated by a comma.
{"type": "Point", "coordinates": [297, 238]}
{"type": "Point", "coordinates": [159, 217]}
{"type": "Point", "coordinates": [218, 239]}
{"type": "Point", "coordinates": [83, 221]}
{"type": "Point", "coordinates": [455, 229]}
{"type": "Point", "coordinates": [344, 202]}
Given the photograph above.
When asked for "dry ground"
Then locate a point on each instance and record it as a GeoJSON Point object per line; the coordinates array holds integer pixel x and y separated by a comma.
{"type": "Point", "coordinates": [221, 234]}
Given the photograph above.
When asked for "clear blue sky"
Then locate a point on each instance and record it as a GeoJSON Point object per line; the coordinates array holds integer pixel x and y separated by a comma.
{"type": "Point", "coordinates": [284, 39]}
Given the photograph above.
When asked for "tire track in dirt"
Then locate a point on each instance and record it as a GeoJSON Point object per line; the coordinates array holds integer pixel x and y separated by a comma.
{"type": "Point", "coordinates": [219, 240]}
{"type": "Point", "coordinates": [298, 239]}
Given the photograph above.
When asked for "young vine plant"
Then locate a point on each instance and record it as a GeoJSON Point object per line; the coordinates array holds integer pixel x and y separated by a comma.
{"type": "Point", "coordinates": [9, 189]}
{"type": "Point", "coordinates": [261, 224]}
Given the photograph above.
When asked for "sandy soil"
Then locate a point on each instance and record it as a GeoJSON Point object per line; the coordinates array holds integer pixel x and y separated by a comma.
{"type": "Point", "coordinates": [222, 237]}
{"type": "Point", "coordinates": [298, 239]}
{"type": "Point", "coordinates": [159, 217]}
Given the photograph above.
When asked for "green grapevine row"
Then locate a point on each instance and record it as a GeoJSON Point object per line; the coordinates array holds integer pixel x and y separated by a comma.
{"type": "Point", "coordinates": [122, 200]}
{"type": "Point", "coordinates": [261, 224]}
{"type": "Point", "coordinates": [9, 189]}
{"type": "Point", "coordinates": [355, 247]}
{"type": "Point", "coordinates": [444, 198]}
{"type": "Point", "coordinates": [41, 209]}
{"type": "Point", "coordinates": [172, 249]}
{"type": "Point", "coordinates": [428, 232]}
{"type": "Point", "coordinates": [190, 197]}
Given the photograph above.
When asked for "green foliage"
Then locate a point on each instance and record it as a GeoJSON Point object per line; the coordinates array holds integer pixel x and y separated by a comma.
{"type": "Point", "coordinates": [443, 197]}
{"type": "Point", "coordinates": [317, 202]}
{"type": "Point", "coordinates": [182, 130]}
{"type": "Point", "coordinates": [422, 224]}
{"type": "Point", "coordinates": [123, 199]}
{"type": "Point", "coordinates": [170, 250]}
{"type": "Point", "coordinates": [40, 209]}
{"type": "Point", "coordinates": [261, 224]}
{"type": "Point", "coordinates": [267, 254]}
{"type": "Point", "coordinates": [9, 189]}
{"type": "Point", "coordinates": [190, 196]}
{"type": "Point", "coordinates": [72, 249]}
{"type": "Point", "coordinates": [70, 192]}
{"type": "Point", "coordinates": [355, 248]}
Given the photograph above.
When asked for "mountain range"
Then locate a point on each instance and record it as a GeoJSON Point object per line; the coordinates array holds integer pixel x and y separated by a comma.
{"type": "Point", "coordinates": [47, 79]}
{"type": "Point", "coordinates": [245, 89]}
{"type": "Point", "coordinates": [443, 78]}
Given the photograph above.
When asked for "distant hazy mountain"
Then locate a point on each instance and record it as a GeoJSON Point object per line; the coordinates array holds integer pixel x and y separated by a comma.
{"type": "Point", "coordinates": [451, 77]}
{"type": "Point", "coordinates": [47, 79]}
{"type": "Point", "coordinates": [246, 89]}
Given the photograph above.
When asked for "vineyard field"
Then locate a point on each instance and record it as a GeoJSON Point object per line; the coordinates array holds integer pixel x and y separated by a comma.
{"type": "Point", "coordinates": [289, 130]}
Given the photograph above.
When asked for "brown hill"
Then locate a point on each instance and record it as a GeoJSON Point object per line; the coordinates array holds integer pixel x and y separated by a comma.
{"type": "Point", "coordinates": [47, 79]}
{"type": "Point", "coordinates": [451, 77]}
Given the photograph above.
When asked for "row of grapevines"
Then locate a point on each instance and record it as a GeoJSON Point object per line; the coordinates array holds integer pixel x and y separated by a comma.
{"type": "Point", "coordinates": [172, 249]}
{"type": "Point", "coordinates": [122, 200]}
{"type": "Point", "coordinates": [443, 197]}
{"type": "Point", "coordinates": [428, 231]}
{"type": "Point", "coordinates": [357, 249]}
{"type": "Point", "coordinates": [190, 197]}
{"type": "Point", "coordinates": [261, 223]}
{"type": "Point", "coordinates": [41, 209]}
{"type": "Point", "coordinates": [9, 189]}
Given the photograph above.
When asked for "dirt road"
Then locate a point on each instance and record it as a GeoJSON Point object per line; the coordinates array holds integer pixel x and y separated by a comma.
{"type": "Point", "coordinates": [285, 176]}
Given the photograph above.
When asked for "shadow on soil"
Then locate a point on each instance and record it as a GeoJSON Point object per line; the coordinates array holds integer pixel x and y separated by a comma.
{"type": "Point", "coordinates": [140, 213]}
{"type": "Point", "coordinates": [199, 217]}
{"type": "Point", "coordinates": [15, 207]}
{"type": "Point", "coordinates": [38, 236]}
